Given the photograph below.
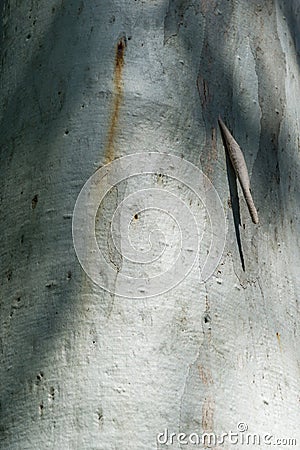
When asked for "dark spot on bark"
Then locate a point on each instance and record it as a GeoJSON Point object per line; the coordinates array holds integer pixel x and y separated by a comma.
{"type": "Point", "coordinates": [28, 36]}
{"type": "Point", "coordinates": [136, 216]}
{"type": "Point", "coordinates": [100, 416]}
{"type": "Point", "coordinates": [34, 201]}
{"type": "Point", "coordinates": [41, 407]}
{"type": "Point", "coordinates": [120, 51]}
{"type": "Point", "coordinates": [207, 318]}
{"type": "Point", "coordinates": [69, 275]}
{"type": "Point", "coordinates": [40, 376]}
{"type": "Point", "coordinates": [52, 393]}
{"type": "Point", "coordinates": [80, 8]}
{"type": "Point", "coordinates": [22, 239]}
{"type": "Point", "coordinates": [9, 274]}
{"type": "Point", "coordinates": [66, 132]}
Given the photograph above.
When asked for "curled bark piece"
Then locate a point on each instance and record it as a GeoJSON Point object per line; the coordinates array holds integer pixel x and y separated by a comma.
{"type": "Point", "coordinates": [238, 162]}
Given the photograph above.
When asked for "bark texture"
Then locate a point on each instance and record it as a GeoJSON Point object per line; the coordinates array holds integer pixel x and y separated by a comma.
{"type": "Point", "coordinates": [84, 83]}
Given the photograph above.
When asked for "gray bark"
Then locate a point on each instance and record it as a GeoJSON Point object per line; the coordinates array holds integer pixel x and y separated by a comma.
{"type": "Point", "coordinates": [84, 83]}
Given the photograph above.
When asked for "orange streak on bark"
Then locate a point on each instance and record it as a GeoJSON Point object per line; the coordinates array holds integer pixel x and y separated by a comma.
{"type": "Point", "coordinates": [279, 341]}
{"type": "Point", "coordinates": [118, 96]}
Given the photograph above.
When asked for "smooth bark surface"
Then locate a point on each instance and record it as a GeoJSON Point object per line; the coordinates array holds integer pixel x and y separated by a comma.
{"type": "Point", "coordinates": [82, 84]}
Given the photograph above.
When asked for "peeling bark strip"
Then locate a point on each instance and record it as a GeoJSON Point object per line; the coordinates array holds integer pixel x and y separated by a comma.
{"type": "Point", "coordinates": [118, 96]}
{"type": "Point", "coordinates": [238, 162]}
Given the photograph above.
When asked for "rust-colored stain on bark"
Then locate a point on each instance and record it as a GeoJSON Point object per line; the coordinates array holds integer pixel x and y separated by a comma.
{"type": "Point", "coordinates": [203, 90]}
{"type": "Point", "coordinates": [208, 163]}
{"type": "Point", "coordinates": [205, 375]}
{"type": "Point", "coordinates": [208, 411]}
{"type": "Point", "coordinates": [279, 341]}
{"type": "Point", "coordinates": [117, 100]}
{"type": "Point", "coordinates": [214, 153]}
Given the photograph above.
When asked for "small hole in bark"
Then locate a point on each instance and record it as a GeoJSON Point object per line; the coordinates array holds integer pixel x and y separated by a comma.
{"type": "Point", "coordinates": [136, 216]}
{"type": "Point", "coordinates": [40, 376]}
{"type": "Point", "coordinates": [66, 132]}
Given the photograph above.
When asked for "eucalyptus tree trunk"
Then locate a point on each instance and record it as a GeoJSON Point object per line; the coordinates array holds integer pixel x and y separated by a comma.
{"type": "Point", "coordinates": [94, 353]}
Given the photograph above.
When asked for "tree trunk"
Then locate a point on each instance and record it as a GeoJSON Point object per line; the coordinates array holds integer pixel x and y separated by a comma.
{"type": "Point", "coordinates": [88, 359]}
